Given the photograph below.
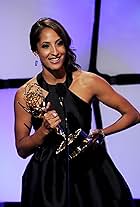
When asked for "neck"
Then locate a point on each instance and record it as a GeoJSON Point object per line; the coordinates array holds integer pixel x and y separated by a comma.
{"type": "Point", "coordinates": [54, 76]}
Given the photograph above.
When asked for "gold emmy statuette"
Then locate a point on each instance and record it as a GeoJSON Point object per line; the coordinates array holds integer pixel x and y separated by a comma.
{"type": "Point", "coordinates": [35, 100]}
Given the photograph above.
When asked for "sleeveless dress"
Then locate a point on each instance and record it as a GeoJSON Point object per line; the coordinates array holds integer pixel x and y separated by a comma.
{"type": "Point", "coordinates": [89, 180]}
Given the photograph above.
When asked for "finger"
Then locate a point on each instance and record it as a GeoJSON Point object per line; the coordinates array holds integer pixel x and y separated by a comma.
{"type": "Point", "coordinates": [52, 123]}
{"type": "Point", "coordinates": [57, 119]}
{"type": "Point", "coordinates": [54, 114]}
{"type": "Point", "coordinates": [93, 133]}
{"type": "Point", "coordinates": [50, 115]}
{"type": "Point", "coordinates": [55, 124]}
{"type": "Point", "coordinates": [48, 106]}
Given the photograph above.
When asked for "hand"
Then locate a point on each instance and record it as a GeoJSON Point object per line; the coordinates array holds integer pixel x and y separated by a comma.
{"type": "Point", "coordinates": [97, 135]}
{"type": "Point", "coordinates": [51, 119]}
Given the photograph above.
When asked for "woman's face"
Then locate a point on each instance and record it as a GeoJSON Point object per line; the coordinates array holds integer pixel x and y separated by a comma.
{"type": "Point", "coordinates": [51, 50]}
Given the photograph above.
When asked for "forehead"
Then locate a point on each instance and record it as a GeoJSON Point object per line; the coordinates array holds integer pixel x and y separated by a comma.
{"type": "Point", "coordinates": [48, 35]}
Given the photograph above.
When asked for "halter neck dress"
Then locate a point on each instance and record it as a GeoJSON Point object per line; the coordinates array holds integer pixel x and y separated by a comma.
{"type": "Point", "coordinates": [94, 181]}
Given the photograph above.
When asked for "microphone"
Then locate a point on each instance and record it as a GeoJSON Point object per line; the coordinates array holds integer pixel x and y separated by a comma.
{"type": "Point", "coordinates": [61, 92]}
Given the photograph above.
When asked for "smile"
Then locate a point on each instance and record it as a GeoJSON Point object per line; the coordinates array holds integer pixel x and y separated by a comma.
{"type": "Point", "coordinates": [54, 60]}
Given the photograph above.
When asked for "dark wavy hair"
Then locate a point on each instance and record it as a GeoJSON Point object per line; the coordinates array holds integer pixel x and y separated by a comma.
{"type": "Point", "coordinates": [70, 60]}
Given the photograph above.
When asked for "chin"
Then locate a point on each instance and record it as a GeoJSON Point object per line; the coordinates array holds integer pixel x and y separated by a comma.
{"type": "Point", "coordinates": [56, 67]}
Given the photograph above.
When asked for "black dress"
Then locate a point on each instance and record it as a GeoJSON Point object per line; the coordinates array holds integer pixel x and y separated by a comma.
{"type": "Point", "coordinates": [94, 181]}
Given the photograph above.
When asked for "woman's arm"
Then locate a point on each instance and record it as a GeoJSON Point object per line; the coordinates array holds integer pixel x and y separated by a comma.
{"type": "Point", "coordinates": [26, 143]}
{"type": "Point", "coordinates": [108, 96]}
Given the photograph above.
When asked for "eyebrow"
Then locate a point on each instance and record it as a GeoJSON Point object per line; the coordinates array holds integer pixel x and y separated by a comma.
{"type": "Point", "coordinates": [49, 42]}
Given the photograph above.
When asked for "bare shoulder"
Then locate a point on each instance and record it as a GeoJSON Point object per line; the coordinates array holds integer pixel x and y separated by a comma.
{"type": "Point", "coordinates": [86, 78]}
{"type": "Point", "coordinates": [86, 85]}
{"type": "Point", "coordinates": [21, 90]}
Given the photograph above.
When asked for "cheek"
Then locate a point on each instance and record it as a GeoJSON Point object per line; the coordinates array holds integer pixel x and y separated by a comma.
{"type": "Point", "coordinates": [43, 54]}
{"type": "Point", "coordinates": [63, 51]}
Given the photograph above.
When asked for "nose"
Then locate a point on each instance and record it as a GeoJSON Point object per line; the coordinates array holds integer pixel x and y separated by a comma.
{"type": "Point", "coordinates": [54, 50]}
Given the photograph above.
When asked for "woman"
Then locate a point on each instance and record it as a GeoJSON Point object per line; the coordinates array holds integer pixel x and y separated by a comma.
{"type": "Point", "coordinates": [57, 104]}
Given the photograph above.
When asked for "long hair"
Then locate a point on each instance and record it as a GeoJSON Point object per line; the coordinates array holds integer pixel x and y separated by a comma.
{"type": "Point", "coordinates": [70, 60]}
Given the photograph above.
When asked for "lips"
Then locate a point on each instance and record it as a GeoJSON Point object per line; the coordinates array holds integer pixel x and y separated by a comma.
{"type": "Point", "coordinates": [54, 60]}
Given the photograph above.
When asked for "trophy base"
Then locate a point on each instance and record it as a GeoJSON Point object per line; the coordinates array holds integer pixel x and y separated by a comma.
{"type": "Point", "coordinates": [78, 143]}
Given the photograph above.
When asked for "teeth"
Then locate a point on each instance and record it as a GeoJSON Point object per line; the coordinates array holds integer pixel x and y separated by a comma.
{"type": "Point", "coordinates": [54, 60]}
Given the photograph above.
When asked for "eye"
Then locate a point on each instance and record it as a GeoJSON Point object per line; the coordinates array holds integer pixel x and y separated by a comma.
{"type": "Point", "coordinates": [60, 42]}
{"type": "Point", "coordinates": [45, 46]}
